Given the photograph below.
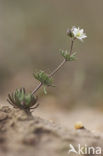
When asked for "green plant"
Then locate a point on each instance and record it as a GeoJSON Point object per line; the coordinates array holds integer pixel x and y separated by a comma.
{"type": "Point", "coordinates": [20, 99]}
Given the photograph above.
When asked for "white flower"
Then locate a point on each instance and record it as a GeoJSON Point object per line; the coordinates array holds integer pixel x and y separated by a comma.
{"type": "Point", "coordinates": [78, 33]}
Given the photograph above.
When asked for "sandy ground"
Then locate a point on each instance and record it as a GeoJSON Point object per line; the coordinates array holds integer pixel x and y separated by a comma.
{"type": "Point", "coordinates": [23, 135]}
{"type": "Point", "coordinates": [50, 131]}
{"type": "Point", "coordinates": [91, 118]}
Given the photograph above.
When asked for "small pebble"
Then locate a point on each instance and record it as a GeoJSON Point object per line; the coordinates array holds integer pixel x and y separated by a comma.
{"type": "Point", "coordinates": [79, 125]}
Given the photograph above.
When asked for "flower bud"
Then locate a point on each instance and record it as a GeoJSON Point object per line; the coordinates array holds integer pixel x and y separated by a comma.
{"type": "Point", "coordinates": [69, 33]}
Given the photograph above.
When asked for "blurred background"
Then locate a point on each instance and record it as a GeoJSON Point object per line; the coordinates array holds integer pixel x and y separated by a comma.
{"type": "Point", "coordinates": [31, 34]}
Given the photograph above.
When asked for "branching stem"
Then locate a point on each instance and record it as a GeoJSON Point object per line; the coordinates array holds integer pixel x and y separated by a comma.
{"type": "Point", "coordinates": [55, 70]}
